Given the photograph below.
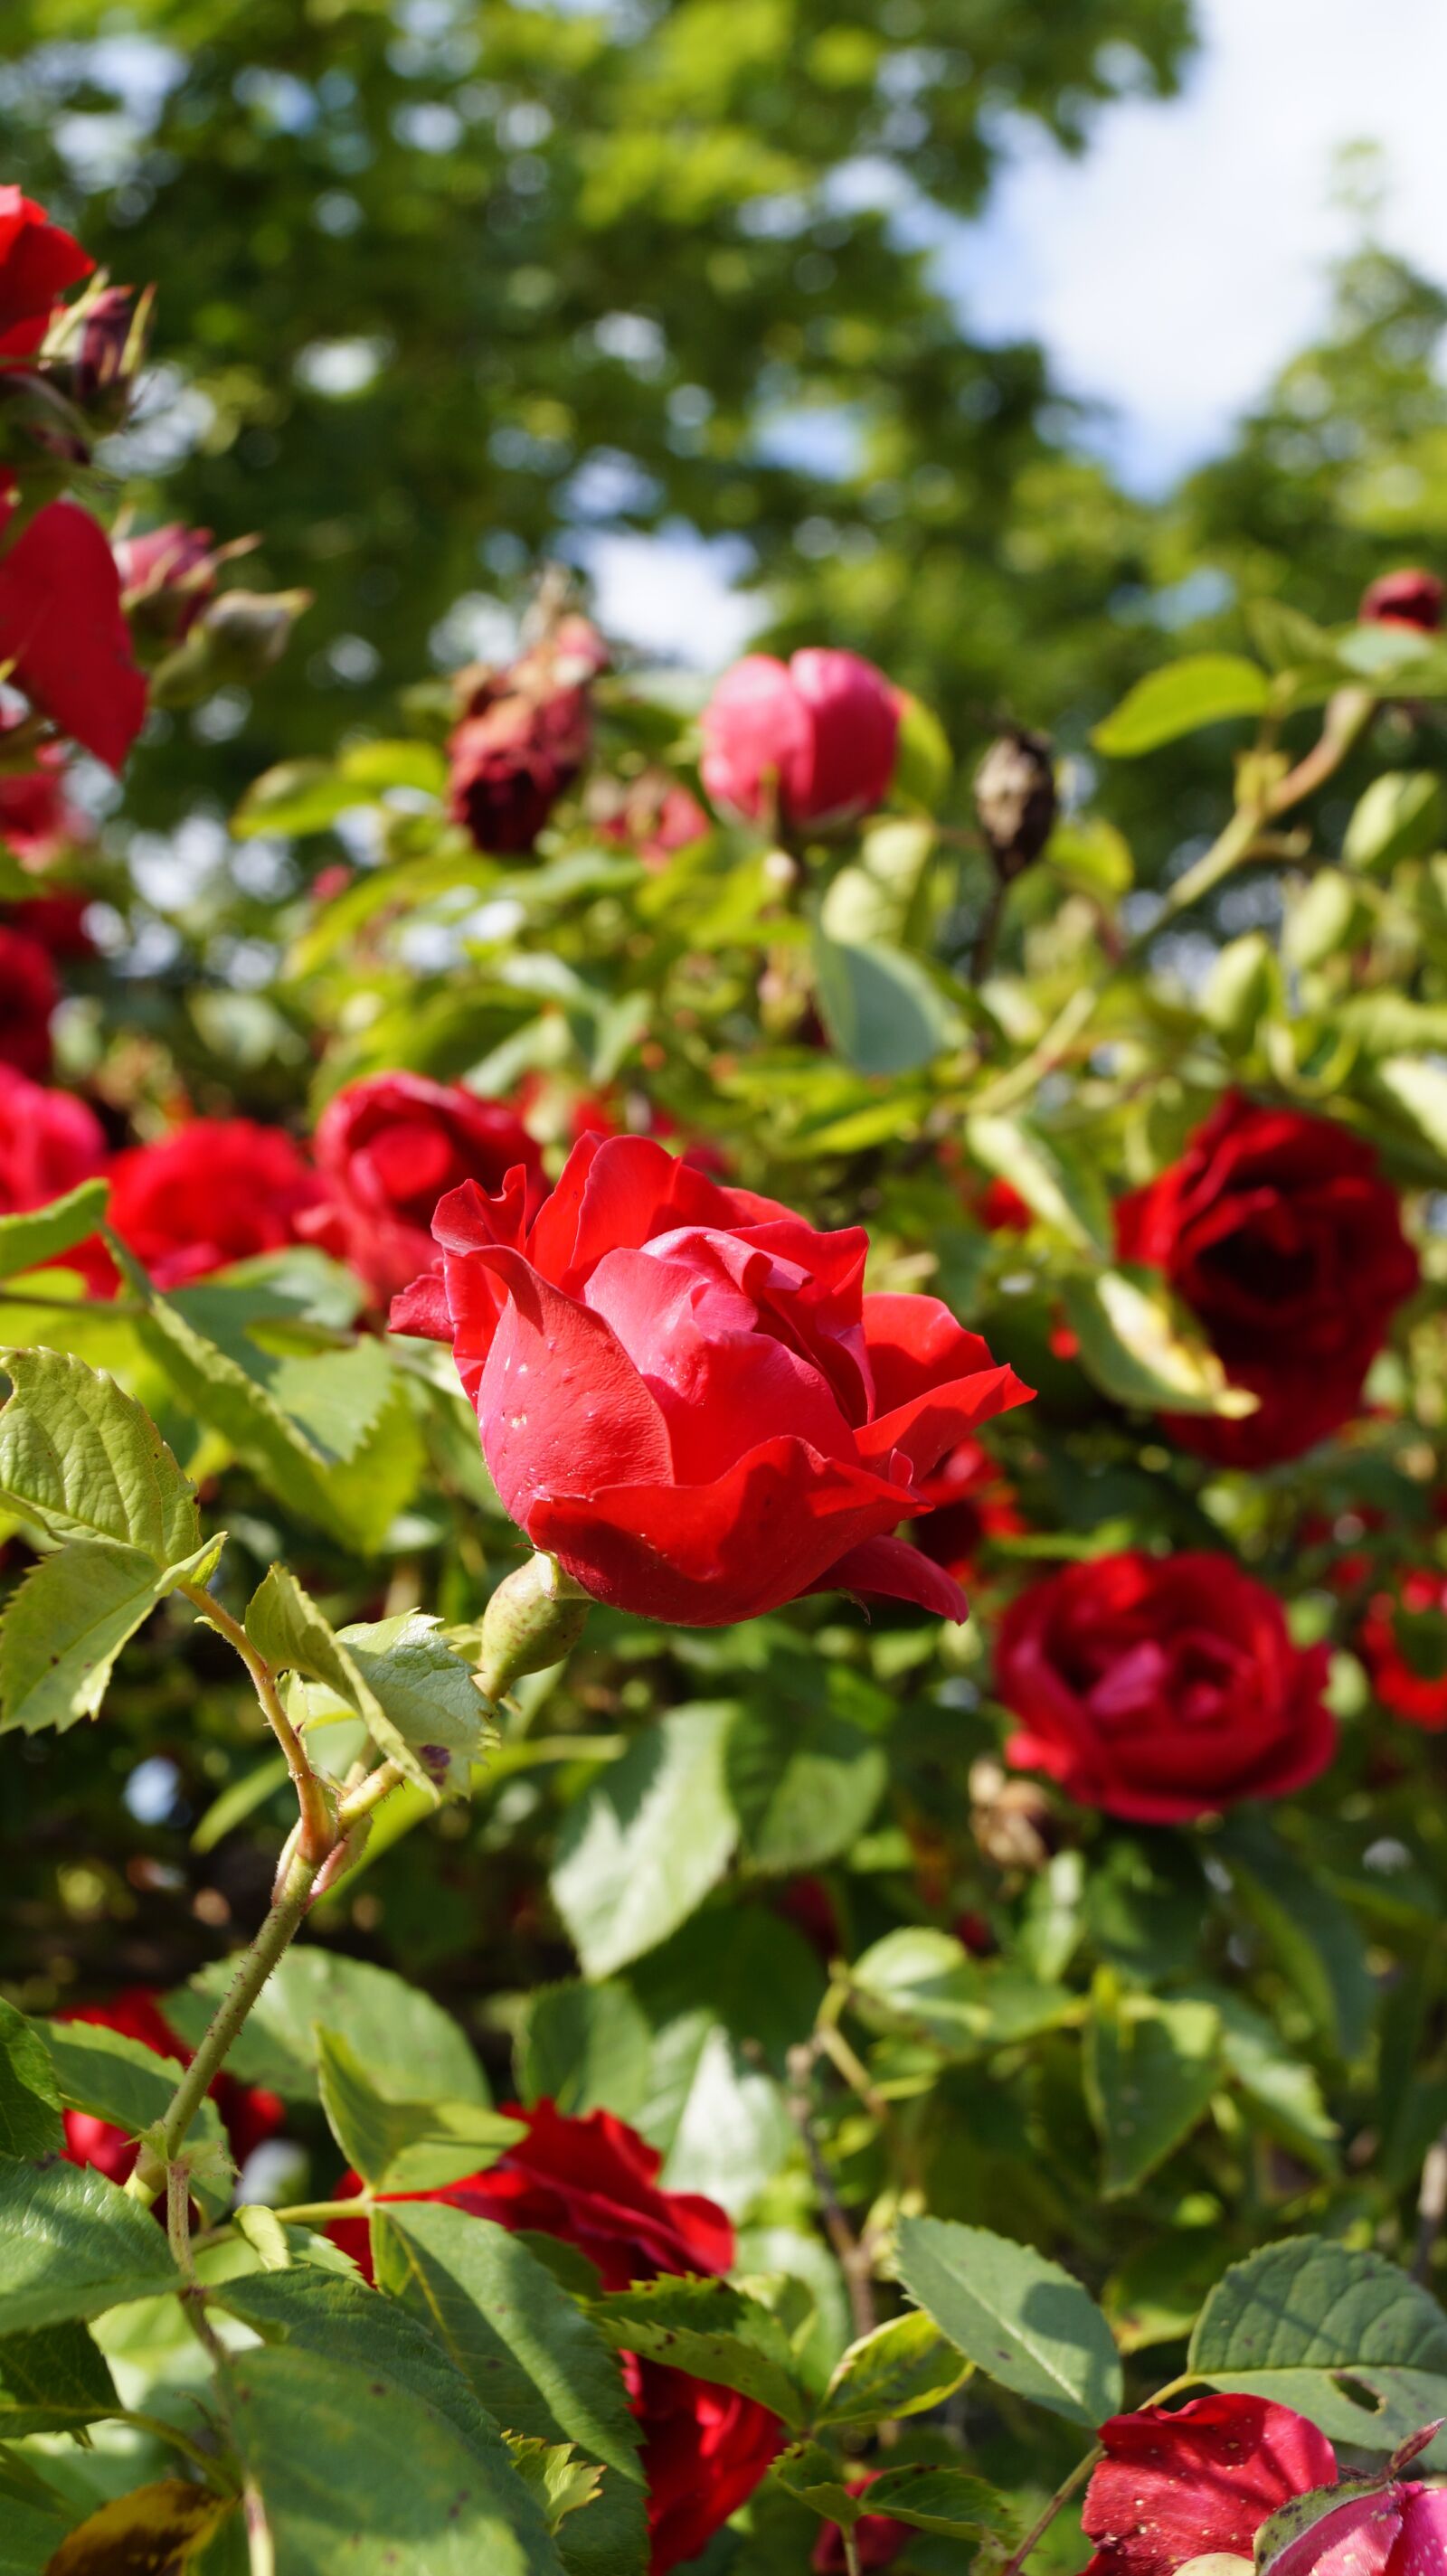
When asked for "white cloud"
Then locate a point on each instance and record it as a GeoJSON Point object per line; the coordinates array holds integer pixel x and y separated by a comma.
{"type": "Point", "coordinates": [1174, 267]}
{"type": "Point", "coordinates": [670, 595]}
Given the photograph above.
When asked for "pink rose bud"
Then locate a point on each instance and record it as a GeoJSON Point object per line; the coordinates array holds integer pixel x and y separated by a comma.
{"type": "Point", "coordinates": [1407, 598]}
{"type": "Point", "coordinates": [103, 352]}
{"type": "Point", "coordinates": [804, 743]}
{"type": "Point", "coordinates": [167, 576]}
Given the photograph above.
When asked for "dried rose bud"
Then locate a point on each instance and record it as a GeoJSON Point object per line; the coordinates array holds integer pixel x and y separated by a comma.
{"type": "Point", "coordinates": [1015, 798]}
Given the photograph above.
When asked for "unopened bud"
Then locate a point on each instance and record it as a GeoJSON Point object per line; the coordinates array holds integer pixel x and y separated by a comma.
{"type": "Point", "coordinates": [1015, 798]}
{"type": "Point", "coordinates": [533, 1619]}
{"type": "Point", "coordinates": [239, 636]}
{"type": "Point", "coordinates": [1407, 598]}
{"type": "Point", "coordinates": [106, 350]}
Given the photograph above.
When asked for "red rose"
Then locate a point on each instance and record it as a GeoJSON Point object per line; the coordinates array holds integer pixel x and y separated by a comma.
{"type": "Point", "coordinates": [1399, 2530]}
{"type": "Point", "coordinates": [215, 1191]}
{"type": "Point", "coordinates": [49, 1142]}
{"type": "Point", "coordinates": [1160, 1688]}
{"type": "Point", "coordinates": [1197, 2482]}
{"type": "Point", "coordinates": [63, 639]}
{"type": "Point", "coordinates": [684, 1395]}
{"type": "Point", "coordinates": [28, 994]}
{"type": "Point", "coordinates": [810, 741]}
{"type": "Point", "coordinates": [969, 1502]}
{"type": "Point", "coordinates": [509, 765]}
{"type": "Point", "coordinates": [56, 922]}
{"type": "Point", "coordinates": [388, 1149]}
{"type": "Point", "coordinates": [1419, 1696]}
{"type": "Point", "coordinates": [1282, 1236]}
{"type": "Point", "coordinates": [249, 2115]}
{"type": "Point", "coordinates": [35, 819]}
{"type": "Point", "coordinates": [878, 2538]}
{"type": "Point", "coordinates": [653, 815]}
{"type": "Point", "coordinates": [1408, 598]}
{"type": "Point", "coordinates": [594, 2184]}
{"type": "Point", "coordinates": [37, 262]}
{"type": "Point", "coordinates": [1002, 1210]}
{"type": "Point", "coordinates": [167, 576]}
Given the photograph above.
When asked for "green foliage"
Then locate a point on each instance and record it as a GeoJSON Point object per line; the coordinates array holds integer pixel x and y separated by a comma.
{"type": "Point", "coordinates": [71, 2246]}
{"type": "Point", "coordinates": [1020, 2319]}
{"type": "Point", "coordinates": [1305, 2321]}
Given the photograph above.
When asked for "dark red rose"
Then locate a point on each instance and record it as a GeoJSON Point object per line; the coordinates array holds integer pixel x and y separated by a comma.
{"type": "Point", "coordinates": [1002, 1210]}
{"type": "Point", "coordinates": [56, 922]}
{"type": "Point", "coordinates": [684, 1394]}
{"type": "Point", "coordinates": [104, 352]}
{"type": "Point", "coordinates": [1159, 1688]}
{"type": "Point", "coordinates": [508, 766]}
{"type": "Point", "coordinates": [28, 995]}
{"type": "Point", "coordinates": [1399, 2530]}
{"type": "Point", "coordinates": [1408, 1678]}
{"type": "Point", "coordinates": [214, 1191]}
{"type": "Point", "coordinates": [810, 742]}
{"type": "Point", "coordinates": [49, 1143]}
{"type": "Point", "coordinates": [594, 2184]}
{"type": "Point", "coordinates": [878, 2538]}
{"type": "Point", "coordinates": [1197, 2481]}
{"type": "Point", "coordinates": [167, 576]}
{"type": "Point", "coordinates": [38, 261]}
{"type": "Point", "coordinates": [63, 638]}
{"type": "Point", "coordinates": [1407, 598]}
{"type": "Point", "coordinates": [1281, 1235]}
{"type": "Point", "coordinates": [388, 1149]}
{"type": "Point", "coordinates": [249, 2115]}
{"type": "Point", "coordinates": [970, 1502]}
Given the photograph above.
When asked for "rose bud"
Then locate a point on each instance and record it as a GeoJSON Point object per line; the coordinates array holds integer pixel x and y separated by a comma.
{"type": "Point", "coordinates": [215, 1191]}
{"type": "Point", "coordinates": [101, 351]}
{"type": "Point", "coordinates": [1015, 799]}
{"type": "Point", "coordinates": [29, 992]}
{"type": "Point", "coordinates": [802, 744]}
{"type": "Point", "coordinates": [387, 1150]}
{"type": "Point", "coordinates": [1281, 1235]}
{"type": "Point", "coordinates": [167, 576]}
{"type": "Point", "coordinates": [37, 263]}
{"type": "Point", "coordinates": [63, 639]}
{"type": "Point", "coordinates": [1162, 1688]}
{"type": "Point", "coordinates": [1407, 598]}
{"type": "Point", "coordinates": [684, 1395]}
{"type": "Point", "coordinates": [593, 2184]}
{"type": "Point", "coordinates": [1198, 2482]}
{"type": "Point", "coordinates": [509, 765]}
{"type": "Point", "coordinates": [235, 641]}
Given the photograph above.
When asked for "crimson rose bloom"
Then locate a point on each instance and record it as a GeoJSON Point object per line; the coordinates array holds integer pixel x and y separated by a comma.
{"type": "Point", "coordinates": [1407, 598]}
{"type": "Point", "coordinates": [28, 994]}
{"type": "Point", "coordinates": [249, 2115]}
{"type": "Point", "coordinates": [214, 1191]}
{"type": "Point", "coordinates": [1160, 1688]}
{"type": "Point", "coordinates": [594, 2184]}
{"type": "Point", "coordinates": [388, 1149]}
{"type": "Point", "coordinates": [1419, 1697]}
{"type": "Point", "coordinates": [684, 1395]}
{"type": "Point", "coordinates": [63, 639]}
{"type": "Point", "coordinates": [1282, 1236]}
{"type": "Point", "coordinates": [811, 741]}
{"type": "Point", "coordinates": [49, 1142]}
{"type": "Point", "coordinates": [37, 262]}
{"type": "Point", "coordinates": [1197, 2482]}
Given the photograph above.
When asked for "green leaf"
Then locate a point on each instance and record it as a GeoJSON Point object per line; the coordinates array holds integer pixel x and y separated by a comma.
{"type": "Point", "coordinates": [537, 2363]}
{"type": "Point", "coordinates": [119, 2079]}
{"type": "Point", "coordinates": [82, 1460]}
{"type": "Point", "coordinates": [923, 761]}
{"type": "Point", "coordinates": [1283, 2090]}
{"type": "Point", "coordinates": [41, 1234]}
{"type": "Point", "coordinates": [1093, 854]}
{"type": "Point", "coordinates": [1285, 638]}
{"type": "Point", "coordinates": [404, 2146]}
{"type": "Point", "coordinates": [30, 2105]}
{"type": "Point", "coordinates": [883, 1010]}
{"type": "Point", "coordinates": [1203, 689]}
{"type": "Point", "coordinates": [421, 1681]}
{"type": "Point", "coordinates": [919, 1979]}
{"type": "Point", "coordinates": [73, 2245]}
{"type": "Point", "coordinates": [302, 796]}
{"type": "Point", "coordinates": [803, 1783]}
{"type": "Point", "coordinates": [360, 2477]}
{"type": "Point", "coordinates": [1414, 1094]}
{"type": "Point", "coordinates": [53, 2381]}
{"type": "Point", "coordinates": [874, 897]}
{"type": "Point", "coordinates": [562, 2482]}
{"type": "Point", "coordinates": [646, 1842]}
{"type": "Point", "coordinates": [405, 2040]}
{"type": "Point", "coordinates": [1308, 2322]}
{"type": "Point", "coordinates": [1312, 1934]}
{"type": "Point", "coordinates": [1057, 1185]}
{"type": "Point", "coordinates": [712, 2331]}
{"type": "Point", "coordinates": [586, 2048]}
{"type": "Point", "coordinates": [901, 2369]}
{"type": "Point", "coordinates": [1019, 2318]}
{"type": "Point", "coordinates": [1139, 1345]}
{"type": "Point", "coordinates": [34, 2517]}
{"type": "Point", "coordinates": [1151, 2068]}
{"type": "Point", "coordinates": [1402, 815]}
{"type": "Point", "coordinates": [930, 2498]}
{"type": "Point", "coordinates": [66, 1622]}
